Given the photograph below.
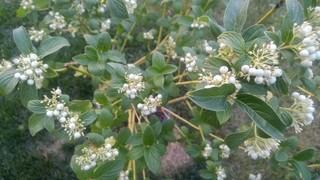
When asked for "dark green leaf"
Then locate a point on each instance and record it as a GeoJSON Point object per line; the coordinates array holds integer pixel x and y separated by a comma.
{"type": "Point", "coordinates": [7, 82]}
{"type": "Point", "coordinates": [136, 153]}
{"type": "Point", "coordinates": [148, 136]}
{"type": "Point", "coordinates": [51, 45]}
{"type": "Point", "coordinates": [36, 107]}
{"type": "Point", "coordinates": [27, 93]}
{"type": "Point", "coordinates": [80, 105]}
{"type": "Point", "coordinates": [254, 32]}
{"type": "Point", "coordinates": [235, 15]}
{"type": "Point", "coordinates": [95, 138]}
{"type": "Point", "coordinates": [304, 155]}
{"type": "Point", "coordinates": [301, 170]}
{"type": "Point", "coordinates": [110, 169]}
{"type": "Point", "coordinates": [236, 139]}
{"type": "Point", "coordinates": [88, 117]}
{"type": "Point", "coordinates": [233, 40]}
{"type": "Point", "coordinates": [124, 135]}
{"type": "Point", "coordinates": [22, 40]}
{"type": "Point", "coordinates": [152, 159]}
{"type": "Point", "coordinates": [117, 9]}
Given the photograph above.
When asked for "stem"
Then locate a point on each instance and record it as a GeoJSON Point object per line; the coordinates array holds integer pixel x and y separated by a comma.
{"type": "Point", "coordinates": [144, 174]}
{"type": "Point", "coordinates": [161, 28]}
{"type": "Point", "coordinates": [116, 102]}
{"type": "Point", "coordinates": [134, 170]}
{"type": "Point", "coordinates": [270, 12]}
{"type": "Point", "coordinates": [314, 166]}
{"type": "Point", "coordinates": [188, 82]}
{"type": "Point", "coordinates": [79, 70]}
{"type": "Point", "coordinates": [126, 39]}
{"type": "Point", "coordinates": [180, 76]}
{"type": "Point", "coordinates": [305, 91]}
{"type": "Point", "coordinates": [60, 70]}
{"type": "Point", "coordinates": [201, 133]}
{"type": "Point", "coordinates": [177, 99]}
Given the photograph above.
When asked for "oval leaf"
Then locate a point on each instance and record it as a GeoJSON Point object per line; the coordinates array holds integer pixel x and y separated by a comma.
{"type": "Point", "coordinates": [51, 45]}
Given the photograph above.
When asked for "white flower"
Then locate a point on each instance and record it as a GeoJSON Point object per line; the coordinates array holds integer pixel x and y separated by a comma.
{"type": "Point", "coordinates": [124, 175]}
{"type": "Point", "coordinates": [57, 21]}
{"type": "Point", "coordinates": [27, 4]}
{"type": "Point", "coordinates": [5, 65]}
{"type": "Point", "coordinates": [91, 155]}
{"type": "Point", "coordinates": [190, 62]}
{"type": "Point", "coordinates": [131, 5]}
{"type": "Point", "coordinates": [150, 105]}
{"type": "Point", "coordinates": [105, 25]}
{"type": "Point", "coordinates": [264, 64]}
{"type": "Point", "coordinates": [148, 35]}
{"type": "Point", "coordinates": [255, 177]}
{"type": "Point", "coordinates": [30, 68]}
{"type": "Point", "coordinates": [133, 85]}
{"type": "Point", "coordinates": [221, 174]}
{"type": "Point", "coordinates": [225, 151]}
{"type": "Point", "coordinates": [170, 46]}
{"type": "Point", "coordinates": [78, 6]}
{"type": "Point", "coordinates": [199, 24]}
{"type": "Point", "coordinates": [301, 111]}
{"type": "Point", "coordinates": [208, 49]}
{"type": "Point", "coordinates": [258, 147]}
{"type": "Point", "coordinates": [36, 35]}
{"type": "Point", "coordinates": [70, 121]}
{"type": "Point", "coordinates": [206, 153]}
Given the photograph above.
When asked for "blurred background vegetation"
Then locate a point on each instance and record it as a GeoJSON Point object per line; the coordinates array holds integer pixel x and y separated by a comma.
{"type": "Point", "coordinates": [44, 157]}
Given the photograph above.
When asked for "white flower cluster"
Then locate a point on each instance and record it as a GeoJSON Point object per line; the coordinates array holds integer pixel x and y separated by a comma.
{"type": "Point", "coordinates": [221, 173]}
{"type": "Point", "coordinates": [133, 86]}
{"type": "Point", "coordinates": [170, 46]}
{"type": "Point", "coordinates": [206, 153]}
{"type": "Point", "coordinates": [131, 5]}
{"type": "Point", "coordinates": [309, 48]}
{"type": "Point", "coordinates": [190, 62]}
{"type": "Point", "coordinates": [225, 151]}
{"type": "Point", "coordinates": [79, 6]}
{"type": "Point", "coordinates": [258, 147]}
{"type": "Point", "coordinates": [226, 76]}
{"type": "Point", "coordinates": [150, 105]}
{"type": "Point", "coordinates": [91, 155]}
{"type": "Point", "coordinates": [301, 111]}
{"type": "Point", "coordinates": [255, 177]}
{"type": "Point", "coordinates": [57, 21]}
{"type": "Point", "coordinates": [263, 65]}
{"type": "Point", "coordinates": [124, 175]}
{"type": "Point", "coordinates": [55, 107]}
{"type": "Point", "coordinates": [30, 68]}
{"type": "Point", "coordinates": [105, 25]}
{"type": "Point", "coordinates": [27, 4]}
{"type": "Point", "coordinates": [5, 65]}
{"type": "Point", "coordinates": [208, 49]}
{"type": "Point", "coordinates": [36, 35]}
{"type": "Point", "coordinates": [148, 35]}
{"type": "Point", "coordinates": [197, 23]}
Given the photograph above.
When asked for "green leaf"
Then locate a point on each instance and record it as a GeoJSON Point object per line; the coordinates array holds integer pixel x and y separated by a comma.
{"type": "Point", "coordinates": [213, 99]}
{"type": "Point", "coordinates": [51, 45]}
{"type": "Point", "coordinates": [35, 123]}
{"type": "Point", "coordinates": [101, 41]}
{"type": "Point", "coordinates": [295, 11]}
{"type": "Point", "coordinates": [301, 170]}
{"type": "Point", "coordinates": [7, 82]}
{"type": "Point", "coordinates": [148, 136]}
{"type": "Point", "coordinates": [22, 40]}
{"type": "Point", "coordinates": [48, 123]}
{"type": "Point", "coordinates": [80, 105]}
{"type": "Point", "coordinates": [152, 159]}
{"type": "Point", "coordinates": [110, 169]}
{"type": "Point", "coordinates": [224, 116]}
{"type": "Point", "coordinates": [95, 138]}
{"type": "Point", "coordinates": [235, 15]}
{"type": "Point", "coordinates": [105, 117]}
{"type": "Point", "coordinates": [36, 107]}
{"type": "Point", "coordinates": [88, 117]}
{"type": "Point", "coordinates": [117, 9]}
{"type": "Point", "coordinates": [236, 139]}
{"type": "Point", "coordinates": [262, 114]}
{"type": "Point", "coordinates": [124, 135]}
{"type": "Point", "coordinates": [253, 32]}
{"type": "Point", "coordinates": [116, 56]}
{"type": "Point", "coordinates": [281, 155]}
{"type": "Point", "coordinates": [20, 13]}
{"type": "Point", "coordinates": [233, 40]}
{"type": "Point", "coordinates": [27, 93]}
{"type": "Point", "coordinates": [304, 155]}
{"type": "Point", "coordinates": [286, 30]}
{"type": "Point", "coordinates": [136, 153]}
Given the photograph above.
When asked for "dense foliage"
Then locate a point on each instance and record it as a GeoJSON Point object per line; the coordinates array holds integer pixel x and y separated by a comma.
{"type": "Point", "coordinates": [151, 61]}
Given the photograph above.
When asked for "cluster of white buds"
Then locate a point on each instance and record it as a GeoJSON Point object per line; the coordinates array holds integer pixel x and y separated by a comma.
{"type": "Point", "coordinates": [207, 48]}
{"type": "Point", "coordinates": [124, 175]}
{"type": "Point", "coordinates": [190, 62]}
{"type": "Point", "coordinates": [263, 67]}
{"type": "Point", "coordinates": [78, 6]}
{"type": "Point", "coordinates": [5, 65]}
{"type": "Point", "coordinates": [150, 105]}
{"type": "Point", "coordinates": [258, 147]}
{"type": "Point", "coordinates": [225, 151]}
{"type": "Point", "coordinates": [301, 111]}
{"type": "Point", "coordinates": [105, 25]}
{"type": "Point", "coordinates": [92, 155]}
{"type": "Point", "coordinates": [72, 29]}
{"type": "Point", "coordinates": [221, 173]}
{"type": "Point", "coordinates": [206, 153]}
{"type": "Point", "coordinates": [199, 24]}
{"type": "Point", "coordinates": [255, 177]}
{"type": "Point", "coordinates": [36, 35]}
{"type": "Point", "coordinates": [55, 107]}
{"type": "Point", "coordinates": [170, 46]}
{"type": "Point", "coordinates": [309, 47]}
{"type": "Point", "coordinates": [57, 21]}
{"type": "Point", "coordinates": [102, 7]}
{"type": "Point", "coordinates": [148, 35]}
{"type": "Point", "coordinates": [133, 86]}
{"type": "Point", "coordinates": [226, 76]}
{"type": "Point", "coordinates": [131, 5]}
{"type": "Point", "coordinates": [30, 68]}
{"type": "Point", "coordinates": [27, 4]}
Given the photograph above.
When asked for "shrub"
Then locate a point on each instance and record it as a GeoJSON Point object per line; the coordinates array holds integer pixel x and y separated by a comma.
{"type": "Point", "coordinates": [147, 62]}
